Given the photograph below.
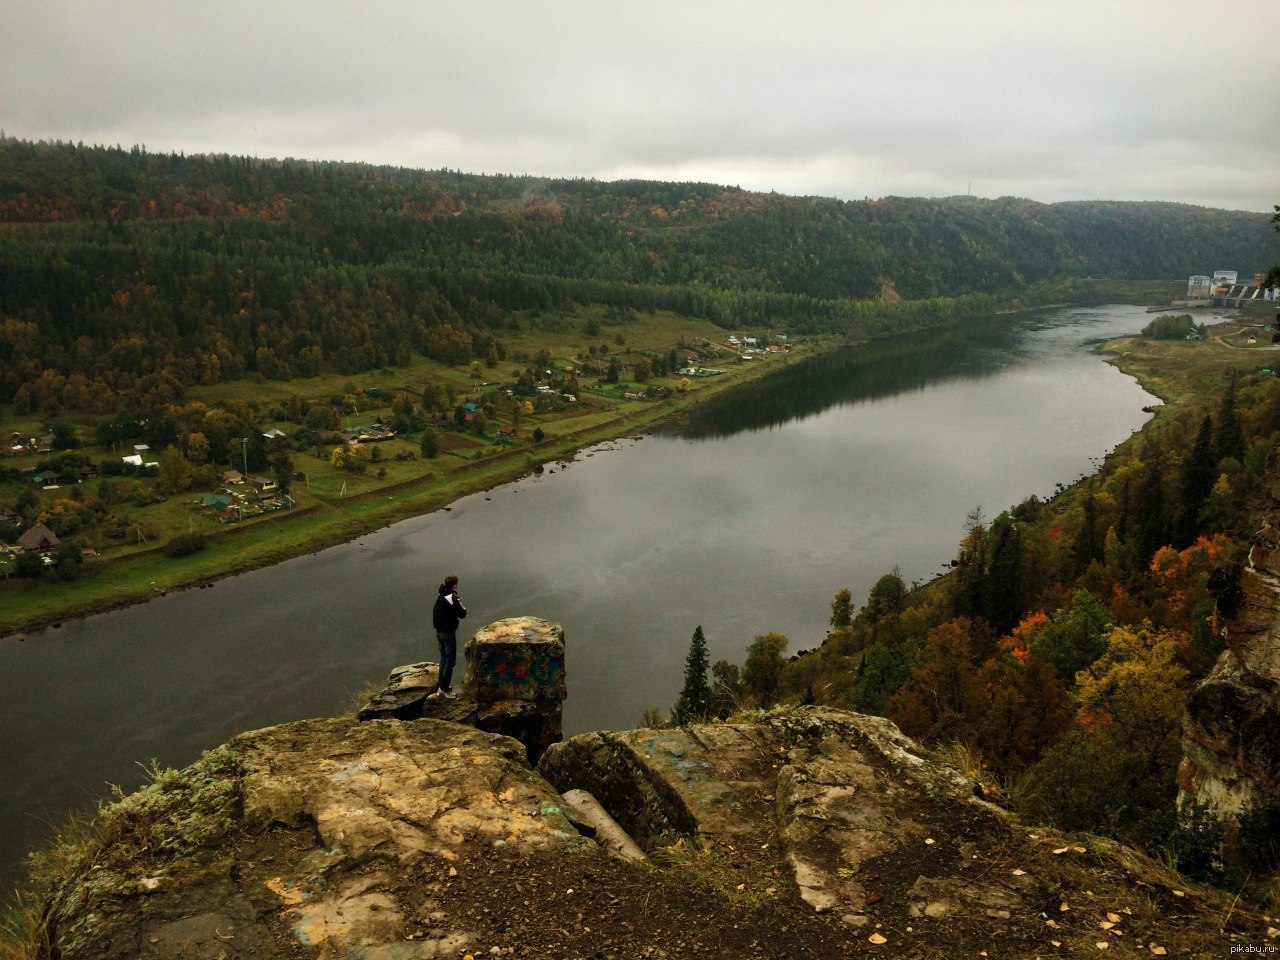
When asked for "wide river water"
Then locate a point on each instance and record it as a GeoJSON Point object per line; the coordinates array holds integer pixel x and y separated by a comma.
{"type": "Point", "coordinates": [746, 518]}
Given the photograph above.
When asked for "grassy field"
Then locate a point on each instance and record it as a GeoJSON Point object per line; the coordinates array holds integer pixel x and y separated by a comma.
{"type": "Point", "coordinates": [333, 504]}
{"type": "Point", "coordinates": [1191, 372]}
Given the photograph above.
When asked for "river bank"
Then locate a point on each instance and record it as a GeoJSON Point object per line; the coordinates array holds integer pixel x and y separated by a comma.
{"type": "Point", "coordinates": [137, 577]}
{"type": "Point", "coordinates": [115, 582]}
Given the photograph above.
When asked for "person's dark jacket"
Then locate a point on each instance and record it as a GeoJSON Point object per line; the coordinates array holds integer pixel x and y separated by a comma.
{"type": "Point", "coordinates": [448, 611]}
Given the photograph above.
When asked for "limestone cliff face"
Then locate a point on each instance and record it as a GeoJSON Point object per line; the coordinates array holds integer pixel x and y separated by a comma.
{"type": "Point", "coordinates": [1231, 744]}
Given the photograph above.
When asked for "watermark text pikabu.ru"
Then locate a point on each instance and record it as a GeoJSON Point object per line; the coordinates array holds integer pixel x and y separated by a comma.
{"type": "Point", "coordinates": [1250, 948]}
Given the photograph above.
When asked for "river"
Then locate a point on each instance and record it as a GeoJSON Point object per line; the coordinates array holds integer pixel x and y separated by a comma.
{"type": "Point", "coordinates": [745, 518]}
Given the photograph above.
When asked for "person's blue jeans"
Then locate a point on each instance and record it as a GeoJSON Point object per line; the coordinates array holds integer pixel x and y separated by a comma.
{"type": "Point", "coordinates": [448, 657]}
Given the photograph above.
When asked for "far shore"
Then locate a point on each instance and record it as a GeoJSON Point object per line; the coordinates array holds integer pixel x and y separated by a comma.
{"type": "Point", "coordinates": [139, 577]}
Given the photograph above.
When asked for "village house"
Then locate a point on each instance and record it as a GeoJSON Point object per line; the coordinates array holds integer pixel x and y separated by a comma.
{"type": "Point", "coordinates": [219, 505]}
{"type": "Point", "coordinates": [39, 539]}
{"type": "Point", "coordinates": [275, 433]}
{"type": "Point", "coordinates": [233, 477]}
{"type": "Point", "coordinates": [262, 485]}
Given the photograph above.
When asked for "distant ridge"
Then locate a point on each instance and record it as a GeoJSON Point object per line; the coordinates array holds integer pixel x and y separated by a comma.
{"type": "Point", "coordinates": [116, 259]}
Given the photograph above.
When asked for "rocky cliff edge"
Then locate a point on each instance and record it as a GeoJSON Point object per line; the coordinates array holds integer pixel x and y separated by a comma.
{"type": "Point", "coordinates": [1231, 742]}
{"type": "Point", "coordinates": [811, 833]}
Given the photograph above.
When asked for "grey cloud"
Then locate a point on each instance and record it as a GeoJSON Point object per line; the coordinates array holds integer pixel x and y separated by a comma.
{"type": "Point", "coordinates": [1028, 97]}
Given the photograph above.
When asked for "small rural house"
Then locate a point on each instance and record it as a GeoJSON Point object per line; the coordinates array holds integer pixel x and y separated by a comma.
{"type": "Point", "coordinates": [219, 505]}
{"type": "Point", "coordinates": [39, 539]}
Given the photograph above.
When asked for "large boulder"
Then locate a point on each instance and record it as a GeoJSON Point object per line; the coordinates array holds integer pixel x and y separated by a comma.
{"type": "Point", "coordinates": [514, 685]}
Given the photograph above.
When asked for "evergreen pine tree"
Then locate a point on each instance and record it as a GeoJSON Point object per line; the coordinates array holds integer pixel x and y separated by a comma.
{"type": "Point", "coordinates": [1151, 514]}
{"type": "Point", "coordinates": [1198, 475]}
{"type": "Point", "coordinates": [1228, 436]}
{"type": "Point", "coordinates": [1002, 588]}
{"type": "Point", "coordinates": [695, 699]}
{"type": "Point", "coordinates": [1088, 545]}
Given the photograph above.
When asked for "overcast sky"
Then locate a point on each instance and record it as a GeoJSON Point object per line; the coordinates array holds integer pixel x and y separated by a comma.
{"type": "Point", "coordinates": [1048, 99]}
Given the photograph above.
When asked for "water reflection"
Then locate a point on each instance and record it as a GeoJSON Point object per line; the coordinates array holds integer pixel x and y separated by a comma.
{"type": "Point", "coordinates": [882, 368]}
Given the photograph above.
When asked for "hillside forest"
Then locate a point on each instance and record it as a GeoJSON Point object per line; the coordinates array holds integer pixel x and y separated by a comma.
{"type": "Point", "coordinates": [127, 277]}
{"type": "Point", "coordinates": [1055, 660]}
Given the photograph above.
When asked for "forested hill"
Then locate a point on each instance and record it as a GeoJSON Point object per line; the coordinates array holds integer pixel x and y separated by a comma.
{"type": "Point", "coordinates": [117, 265]}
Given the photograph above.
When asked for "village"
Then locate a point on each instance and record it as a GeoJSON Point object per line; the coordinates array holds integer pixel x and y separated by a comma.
{"type": "Point", "coordinates": [70, 498]}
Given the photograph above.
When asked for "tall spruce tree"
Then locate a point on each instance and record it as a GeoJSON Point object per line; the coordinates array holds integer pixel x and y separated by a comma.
{"type": "Point", "coordinates": [1228, 435]}
{"type": "Point", "coordinates": [694, 701]}
{"type": "Point", "coordinates": [1002, 588]}
{"type": "Point", "coordinates": [1088, 544]}
{"type": "Point", "coordinates": [1199, 472]}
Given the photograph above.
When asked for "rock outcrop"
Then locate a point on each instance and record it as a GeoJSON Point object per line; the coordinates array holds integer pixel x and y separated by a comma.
{"type": "Point", "coordinates": [1231, 743]}
{"type": "Point", "coordinates": [812, 833]}
{"type": "Point", "coordinates": [515, 685]}
{"type": "Point", "coordinates": [308, 839]}
{"type": "Point", "coordinates": [808, 833]}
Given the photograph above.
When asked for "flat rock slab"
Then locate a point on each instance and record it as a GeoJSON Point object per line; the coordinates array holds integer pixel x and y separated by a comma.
{"type": "Point", "coordinates": [405, 695]}
{"type": "Point", "coordinates": [302, 836]}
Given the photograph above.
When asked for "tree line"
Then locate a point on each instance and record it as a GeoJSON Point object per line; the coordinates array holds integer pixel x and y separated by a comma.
{"type": "Point", "coordinates": [127, 274]}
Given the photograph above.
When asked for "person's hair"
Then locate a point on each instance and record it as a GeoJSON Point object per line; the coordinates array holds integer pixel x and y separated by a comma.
{"type": "Point", "coordinates": [451, 581]}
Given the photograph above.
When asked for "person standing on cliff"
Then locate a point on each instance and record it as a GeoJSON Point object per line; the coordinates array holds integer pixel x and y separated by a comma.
{"type": "Point", "coordinates": [444, 617]}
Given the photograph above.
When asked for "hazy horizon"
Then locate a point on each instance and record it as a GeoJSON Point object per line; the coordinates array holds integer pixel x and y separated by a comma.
{"type": "Point", "coordinates": [1050, 102]}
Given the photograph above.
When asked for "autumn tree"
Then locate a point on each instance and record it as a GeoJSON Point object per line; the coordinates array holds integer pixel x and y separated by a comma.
{"type": "Point", "coordinates": [175, 474]}
{"type": "Point", "coordinates": [1025, 710]}
{"type": "Point", "coordinates": [726, 688]}
{"type": "Point", "coordinates": [762, 671]}
{"type": "Point", "coordinates": [1073, 638]}
{"type": "Point", "coordinates": [430, 444]}
{"type": "Point", "coordinates": [937, 700]}
{"type": "Point", "coordinates": [842, 610]}
{"type": "Point", "coordinates": [282, 470]}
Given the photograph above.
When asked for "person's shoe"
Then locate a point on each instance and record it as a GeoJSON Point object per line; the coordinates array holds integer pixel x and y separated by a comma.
{"type": "Point", "coordinates": [436, 693]}
{"type": "Point", "coordinates": [449, 695]}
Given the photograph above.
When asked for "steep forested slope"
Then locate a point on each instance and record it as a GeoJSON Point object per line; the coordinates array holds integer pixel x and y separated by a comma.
{"type": "Point", "coordinates": [118, 265]}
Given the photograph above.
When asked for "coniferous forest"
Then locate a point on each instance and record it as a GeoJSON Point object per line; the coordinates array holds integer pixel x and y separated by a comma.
{"type": "Point", "coordinates": [126, 276]}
